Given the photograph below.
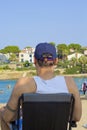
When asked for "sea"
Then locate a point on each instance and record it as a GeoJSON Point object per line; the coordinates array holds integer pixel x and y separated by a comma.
{"type": "Point", "coordinates": [6, 87]}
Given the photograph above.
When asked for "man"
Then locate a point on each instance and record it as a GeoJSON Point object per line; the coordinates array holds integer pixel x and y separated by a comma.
{"type": "Point", "coordinates": [45, 82]}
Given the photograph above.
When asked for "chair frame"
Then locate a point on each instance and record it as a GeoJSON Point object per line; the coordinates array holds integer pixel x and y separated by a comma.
{"type": "Point", "coordinates": [59, 98]}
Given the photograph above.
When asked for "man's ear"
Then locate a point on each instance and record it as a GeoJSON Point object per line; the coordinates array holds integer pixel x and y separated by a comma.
{"type": "Point", "coordinates": [35, 60]}
{"type": "Point", "coordinates": [56, 61]}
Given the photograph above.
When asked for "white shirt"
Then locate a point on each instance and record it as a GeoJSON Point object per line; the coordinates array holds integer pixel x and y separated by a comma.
{"type": "Point", "coordinates": [54, 85]}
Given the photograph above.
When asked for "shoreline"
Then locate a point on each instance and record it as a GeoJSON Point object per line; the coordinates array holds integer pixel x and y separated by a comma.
{"type": "Point", "coordinates": [5, 75]}
{"type": "Point", "coordinates": [8, 74]}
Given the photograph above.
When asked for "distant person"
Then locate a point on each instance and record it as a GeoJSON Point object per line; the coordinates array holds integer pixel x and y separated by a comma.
{"type": "Point", "coordinates": [9, 86]}
{"type": "Point", "coordinates": [86, 83]}
{"type": "Point", "coordinates": [45, 59]}
{"type": "Point", "coordinates": [84, 88]}
{"type": "Point", "coordinates": [85, 125]}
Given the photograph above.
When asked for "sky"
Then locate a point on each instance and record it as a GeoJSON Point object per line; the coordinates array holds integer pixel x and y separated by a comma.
{"type": "Point", "coordinates": [29, 22]}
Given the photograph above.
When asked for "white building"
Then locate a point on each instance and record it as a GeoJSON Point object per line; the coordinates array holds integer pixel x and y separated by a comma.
{"type": "Point", "coordinates": [27, 54]}
{"type": "Point", "coordinates": [74, 55]}
{"type": "Point", "coordinates": [85, 52]}
{"type": "Point", "coordinates": [4, 57]}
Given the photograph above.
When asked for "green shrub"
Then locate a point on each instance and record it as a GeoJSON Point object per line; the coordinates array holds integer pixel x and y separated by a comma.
{"type": "Point", "coordinates": [73, 70]}
{"type": "Point", "coordinates": [22, 69]}
{"type": "Point", "coordinates": [57, 72]}
{"type": "Point", "coordinates": [6, 67]}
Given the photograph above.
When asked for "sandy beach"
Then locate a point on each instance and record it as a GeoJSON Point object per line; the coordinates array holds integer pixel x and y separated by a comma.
{"type": "Point", "coordinates": [84, 114]}
{"type": "Point", "coordinates": [9, 74]}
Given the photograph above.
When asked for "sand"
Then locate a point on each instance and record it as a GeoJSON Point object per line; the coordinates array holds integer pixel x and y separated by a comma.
{"type": "Point", "coordinates": [9, 74]}
{"type": "Point", "coordinates": [84, 114]}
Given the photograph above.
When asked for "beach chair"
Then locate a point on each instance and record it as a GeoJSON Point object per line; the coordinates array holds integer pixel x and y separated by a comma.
{"type": "Point", "coordinates": [45, 112]}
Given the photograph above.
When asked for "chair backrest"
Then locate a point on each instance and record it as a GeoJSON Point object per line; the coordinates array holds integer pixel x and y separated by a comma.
{"type": "Point", "coordinates": [47, 111]}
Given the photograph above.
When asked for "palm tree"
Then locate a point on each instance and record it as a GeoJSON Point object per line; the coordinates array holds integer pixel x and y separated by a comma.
{"type": "Point", "coordinates": [83, 62]}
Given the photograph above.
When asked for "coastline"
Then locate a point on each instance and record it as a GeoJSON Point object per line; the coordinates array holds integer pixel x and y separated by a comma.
{"type": "Point", "coordinates": [9, 74]}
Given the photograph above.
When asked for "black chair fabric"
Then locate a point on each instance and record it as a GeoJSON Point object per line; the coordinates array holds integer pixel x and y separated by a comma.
{"type": "Point", "coordinates": [47, 111]}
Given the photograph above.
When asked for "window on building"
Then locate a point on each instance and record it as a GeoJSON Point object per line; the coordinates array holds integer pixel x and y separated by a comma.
{"type": "Point", "coordinates": [30, 55]}
{"type": "Point", "coordinates": [22, 55]}
{"type": "Point", "coordinates": [22, 60]}
{"type": "Point", "coordinates": [30, 60]}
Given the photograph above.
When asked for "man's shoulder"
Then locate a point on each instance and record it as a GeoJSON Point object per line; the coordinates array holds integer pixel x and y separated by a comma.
{"type": "Point", "coordinates": [24, 80]}
{"type": "Point", "coordinates": [68, 77]}
{"type": "Point", "coordinates": [25, 84]}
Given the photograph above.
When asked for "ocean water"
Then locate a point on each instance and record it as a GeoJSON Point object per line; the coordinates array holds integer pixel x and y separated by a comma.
{"type": "Point", "coordinates": [6, 87]}
{"type": "Point", "coordinates": [79, 81]}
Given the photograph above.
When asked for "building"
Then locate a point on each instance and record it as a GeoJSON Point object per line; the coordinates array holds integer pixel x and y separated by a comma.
{"type": "Point", "coordinates": [85, 52]}
{"type": "Point", "coordinates": [27, 54]}
{"type": "Point", "coordinates": [74, 55]}
{"type": "Point", "coordinates": [4, 58]}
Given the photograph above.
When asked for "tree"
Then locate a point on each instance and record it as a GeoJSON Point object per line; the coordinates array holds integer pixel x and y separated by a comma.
{"type": "Point", "coordinates": [13, 57]}
{"type": "Point", "coordinates": [11, 49]}
{"type": "Point", "coordinates": [28, 47]}
{"type": "Point", "coordinates": [83, 49]}
{"type": "Point", "coordinates": [83, 62]}
{"type": "Point", "coordinates": [3, 51]}
{"type": "Point", "coordinates": [75, 47]}
{"type": "Point", "coordinates": [73, 61]}
{"type": "Point", "coordinates": [62, 51]}
{"type": "Point", "coordinates": [26, 63]}
{"type": "Point", "coordinates": [53, 43]}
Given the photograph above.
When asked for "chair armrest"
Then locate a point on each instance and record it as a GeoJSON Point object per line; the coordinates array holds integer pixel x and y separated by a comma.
{"type": "Point", "coordinates": [73, 124]}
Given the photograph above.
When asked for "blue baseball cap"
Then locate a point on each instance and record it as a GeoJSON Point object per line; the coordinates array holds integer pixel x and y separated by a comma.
{"type": "Point", "coordinates": [43, 48]}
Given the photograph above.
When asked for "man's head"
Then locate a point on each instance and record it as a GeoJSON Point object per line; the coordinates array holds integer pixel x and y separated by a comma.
{"type": "Point", "coordinates": [45, 54]}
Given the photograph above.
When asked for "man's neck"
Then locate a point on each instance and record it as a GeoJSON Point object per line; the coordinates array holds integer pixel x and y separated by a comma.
{"type": "Point", "coordinates": [45, 72]}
